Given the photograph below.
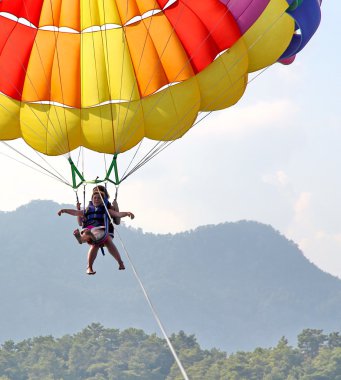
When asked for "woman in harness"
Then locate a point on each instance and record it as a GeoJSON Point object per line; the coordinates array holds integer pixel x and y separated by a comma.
{"type": "Point", "coordinates": [81, 219]}
{"type": "Point", "coordinates": [95, 230]}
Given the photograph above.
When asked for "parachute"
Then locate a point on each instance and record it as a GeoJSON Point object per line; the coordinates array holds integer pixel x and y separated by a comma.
{"type": "Point", "coordinates": [105, 74]}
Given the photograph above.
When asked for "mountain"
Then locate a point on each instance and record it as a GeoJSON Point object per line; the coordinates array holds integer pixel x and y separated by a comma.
{"type": "Point", "coordinates": [234, 285]}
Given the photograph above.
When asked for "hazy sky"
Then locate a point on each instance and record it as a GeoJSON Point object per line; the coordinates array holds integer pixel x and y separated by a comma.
{"type": "Point", "coordinates": [275, 158]}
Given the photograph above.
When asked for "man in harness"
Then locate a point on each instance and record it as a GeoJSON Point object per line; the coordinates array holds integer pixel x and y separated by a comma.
{"type": "Point", "coordinates": [95, 231]}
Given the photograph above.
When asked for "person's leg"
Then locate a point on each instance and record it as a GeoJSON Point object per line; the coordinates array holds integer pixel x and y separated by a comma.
{"type": "Point", "coordinates": [114, 252]}
{"type": "Point", "coordinates": [86, 236]}
{"type": "Point", "coordinates": [92, 254]}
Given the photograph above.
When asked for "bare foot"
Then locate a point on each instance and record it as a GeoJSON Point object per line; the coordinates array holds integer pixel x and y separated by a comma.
{"type": "Point", "coordinates": [90, 271]}
{"type": "Point", "coordinates": [77, 235]}
{"type": "Point", "coordinates": [121, 265]}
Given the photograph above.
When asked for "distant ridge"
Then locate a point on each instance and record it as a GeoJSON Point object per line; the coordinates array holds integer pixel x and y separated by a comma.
{"type": "Point", "coordinates": [234, 285]}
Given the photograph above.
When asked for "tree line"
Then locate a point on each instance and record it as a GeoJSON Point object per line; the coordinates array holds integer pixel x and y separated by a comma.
{"type": "Point", "coordinates": [99, 353]}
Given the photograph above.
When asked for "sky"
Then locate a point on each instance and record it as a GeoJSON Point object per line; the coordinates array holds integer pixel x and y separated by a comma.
{"type": "Point", "coordinates": [274, 158]}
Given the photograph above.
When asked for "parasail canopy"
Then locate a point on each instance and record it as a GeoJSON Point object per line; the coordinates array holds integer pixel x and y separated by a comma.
{"type": "Point", "coordinates": [104, 74]}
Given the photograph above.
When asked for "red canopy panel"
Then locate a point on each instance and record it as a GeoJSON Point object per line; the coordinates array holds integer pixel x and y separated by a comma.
{"type": "Point", "coordinates": [205, 29]}
{"type": "Point", "coordinates": [16, 41]}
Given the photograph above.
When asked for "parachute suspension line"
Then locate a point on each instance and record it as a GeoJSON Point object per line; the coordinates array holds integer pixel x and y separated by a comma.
{"type": "Point", "coordinates": [59, 177]}
{"type": "Point", "coordinates": [42, 171]}
{"type": "Point", "coordinates": [105, 43]}
{"type": "Point", "coordinates": [60, 147]}
{"type": "Point", "coordinates": [132, 160]}
{"type": "Point", "coordinates": [78, 158]}
{"type": "Point", "coordinates": [81, 149]}
{"type": "Point", "coordinates": [144, 291]}
{"type": "Point", "coordinates": [249, 82]}
{"type": "Point", "coordinates": [17, 117]}
{"type": "Point", "coordinates": [131, 130]}
{"type": "Point", "coordinates": [49, 165]}
{"type": "Point", "coordinates": [47, 84]}
{"type": "Point", "coordinates": [130, 133]}
{"type": "Point", "coordinates": [167, 134]}
{"type": "Point", "coordinates": [185, 64]}
{"type": "Point", "coordinates": [84, 200]}
{"type": "Point", "coordinates": [80, 155]}
{"type": "Point", "coordinates": [161, 145]}
{"type": "Point", "coordinates": [93, 22]}
{"type": "Point", "coordinates": [153, 310]}
{"type": "Point", "coordinates": [25, 164]}
{"type": "Point", "coordinates": [116, 193]}
{"type": "Point", "coordinates": [33, 168]}
{"type": "Point", "coordinates": [39, 136]}
{"type": "Point", "coordinates": [77, 199]}
{"type": "Point", "coordinates": [105, 163]}
{"type": "Point", "coordinates": [138, 68]}
{"type": "Point", "coordinates": [56, 176]}
{"type": "Point", "coordinates": [31, 109]}
{"type": "Point", "coordinates": [60, 78]}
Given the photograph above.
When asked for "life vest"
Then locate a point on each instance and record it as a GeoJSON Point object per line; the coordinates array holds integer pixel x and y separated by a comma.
{"type": "Point", "coordinates": [97, 218]}
{"type": "Point", "coordinates": [94, 216]}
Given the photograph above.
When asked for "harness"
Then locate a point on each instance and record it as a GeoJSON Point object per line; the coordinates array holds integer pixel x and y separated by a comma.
{"type": "Point", "coordinates": [94, 216]}
{"type": "Point", "coordinates": [98, 218]}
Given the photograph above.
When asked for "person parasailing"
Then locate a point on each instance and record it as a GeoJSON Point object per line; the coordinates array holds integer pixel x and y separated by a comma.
{"type": "Point", "coordinates": [81, 219]}
{"type": "Point", "coordinates": [95, 226]}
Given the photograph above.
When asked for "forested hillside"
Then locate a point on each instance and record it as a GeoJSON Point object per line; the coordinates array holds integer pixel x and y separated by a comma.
{"type": "Point", "coordinates": [235, 286]}
{"type": "Point", "coordinates": [98, 353]}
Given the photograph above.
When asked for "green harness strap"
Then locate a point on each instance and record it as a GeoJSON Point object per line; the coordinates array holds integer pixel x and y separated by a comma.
{"type": "Point", "coordinates": [78, 178]}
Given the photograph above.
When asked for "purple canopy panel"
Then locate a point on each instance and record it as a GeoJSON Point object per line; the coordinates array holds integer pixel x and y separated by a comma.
{"type": "Point", "coordinates": [245, 12]}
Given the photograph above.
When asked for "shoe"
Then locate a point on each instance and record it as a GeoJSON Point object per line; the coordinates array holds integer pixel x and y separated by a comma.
{"type": "Point", "coordinates": [121, 265]}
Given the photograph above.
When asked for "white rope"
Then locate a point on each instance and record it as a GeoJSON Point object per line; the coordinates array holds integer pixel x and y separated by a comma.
{"type": "Point", "coordinates": [144, 291]}
{"type": "Point", "coordinates": [48, 172]}
{"type": "Point", "coordinates": [152, 308]}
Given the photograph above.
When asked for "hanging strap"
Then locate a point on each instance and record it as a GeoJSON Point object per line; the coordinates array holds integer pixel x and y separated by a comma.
{"type": "Point", "coordinates": [116, 194]}
{"type": "Point", "coordinates": [78, 178]}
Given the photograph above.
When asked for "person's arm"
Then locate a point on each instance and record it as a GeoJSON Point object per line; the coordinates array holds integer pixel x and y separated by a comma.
{"type": "Point", "coordinates": [121, 214]}
{"type": "Point", "coordinates": [70, 212]}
